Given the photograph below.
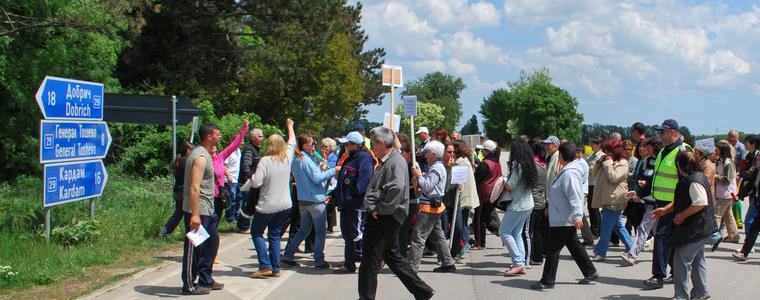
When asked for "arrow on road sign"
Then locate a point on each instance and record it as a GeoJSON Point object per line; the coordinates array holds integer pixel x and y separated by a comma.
{"type": "Point", "coordinates": [73, 140]}
{"type": "Point", "coordinates": [61, 98]}
{"type": "Point", "coordinates": [72, 181]}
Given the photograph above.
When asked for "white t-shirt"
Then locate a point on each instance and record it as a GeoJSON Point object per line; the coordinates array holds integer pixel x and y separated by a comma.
{"type": "Point", "coordinates": [233, 165]}
{"type": "Point", "coordinates": [698, 194]}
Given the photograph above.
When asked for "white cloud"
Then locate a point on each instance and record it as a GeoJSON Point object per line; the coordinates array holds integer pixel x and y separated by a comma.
{"type": "Point", "coordinates": [426, 66]}
{"type": "Point", "coordinates": [461, 68]}
{"type": "Point", "coordinates": [397, 27]}
{"type": "Point", "coordinates": [465, 45]}
{"type": "Point", "coordinates": [459, 13]}
{"type": "Point", "coordinates": [535, 12]}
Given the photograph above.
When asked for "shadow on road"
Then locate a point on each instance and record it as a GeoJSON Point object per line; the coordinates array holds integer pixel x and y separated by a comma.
{"type": "Point", "coordinates": [159, 291]}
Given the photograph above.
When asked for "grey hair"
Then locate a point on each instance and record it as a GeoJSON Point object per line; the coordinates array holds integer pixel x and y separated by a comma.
{"type": "Point", "coordinates": [436, 148]}
{"type": "Point", "coordinates": [382, 135]}
{"type": "Point", "coordinates": [255, 132]}
{"type": "Point", "coordinates": [616, 136]}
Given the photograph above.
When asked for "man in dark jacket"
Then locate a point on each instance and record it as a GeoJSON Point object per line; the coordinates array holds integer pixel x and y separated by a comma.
{"type": "Point", "coordinates": [248, 165]}
{"type": "Point", "coordinates": [353, 178]}
{"type": "Point", "coordinates": [387, 204]}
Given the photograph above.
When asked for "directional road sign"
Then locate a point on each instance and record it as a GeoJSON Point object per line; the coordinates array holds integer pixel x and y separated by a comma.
{"type": "Point", "coordinates": [73, 140]}
{"type": "Point", "coordinates": [61, 98]}
{"type": "Point", "coordinates": [72, 181]}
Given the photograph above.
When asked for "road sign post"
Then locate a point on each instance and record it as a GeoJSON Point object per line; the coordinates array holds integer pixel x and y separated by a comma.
{"type": "Point", "coordinates": [73, 142]}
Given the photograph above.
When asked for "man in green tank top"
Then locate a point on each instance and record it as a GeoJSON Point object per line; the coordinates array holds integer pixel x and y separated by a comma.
{"type": "Point", "coordinates": [199, 211]}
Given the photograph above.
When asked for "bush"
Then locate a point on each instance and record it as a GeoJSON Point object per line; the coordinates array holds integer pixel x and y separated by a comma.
{"type": "Point", "coordinates": [80, 232]}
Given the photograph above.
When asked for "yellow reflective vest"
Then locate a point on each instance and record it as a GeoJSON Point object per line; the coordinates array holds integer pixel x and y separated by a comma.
{"type": "Point", "coordinates": [666, 174]}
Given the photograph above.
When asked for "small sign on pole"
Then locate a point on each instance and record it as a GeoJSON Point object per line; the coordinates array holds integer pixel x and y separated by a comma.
{"type": "Point", "coordinates": [410, 106]}
{"type": "Point", "coordinates": [392, 74]}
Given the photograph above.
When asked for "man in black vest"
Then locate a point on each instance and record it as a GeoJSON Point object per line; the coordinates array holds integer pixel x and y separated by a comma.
{"type": "Point", "coordinates": [248, 165]}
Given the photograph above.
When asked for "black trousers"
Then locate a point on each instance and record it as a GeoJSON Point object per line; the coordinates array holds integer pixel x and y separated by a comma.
{"type": "Point", "coordinates": [539, 229]}
{"type": "Point", "coordinates": [594, 216]}
{"type": "Point", "coordinates": [380, 243]}
{"type": "Point", "coordinates": [197, 262]}
{"type": "Point", "coordinates": [558, 238]}
{"type": "Point", "coordinates": [482, 219]}
{"type": "Point", "coordinates": [405, 233]}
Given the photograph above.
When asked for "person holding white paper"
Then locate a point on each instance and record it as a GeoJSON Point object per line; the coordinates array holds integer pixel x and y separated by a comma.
{"type": "Point", "coordinates": [198, 207]}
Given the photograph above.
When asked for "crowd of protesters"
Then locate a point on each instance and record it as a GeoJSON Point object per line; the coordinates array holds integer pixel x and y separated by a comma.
{"type": "Point", "coordinates": [397, 205]}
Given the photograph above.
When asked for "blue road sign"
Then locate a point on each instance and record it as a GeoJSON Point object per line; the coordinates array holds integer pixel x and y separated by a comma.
{"type": "Point", "coordinates": [72, 181]}
{"type": "Point", "coordinates": [61, 98]}
{"type": "Point", "coordinates": [71, 140]}
{"type": "Point", "coordinates": [410, 105]}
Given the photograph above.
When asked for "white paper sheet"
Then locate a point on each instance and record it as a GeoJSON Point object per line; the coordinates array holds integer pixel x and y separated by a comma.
{"type": "Point", "coordinates": [199, 236]}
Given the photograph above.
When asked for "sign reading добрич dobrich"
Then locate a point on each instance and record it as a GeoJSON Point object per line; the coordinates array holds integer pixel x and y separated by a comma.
{"type": "Point", "coordinates": [61, 98]}
{"type": "Point", "coordinates": [72, 181]}
{"type": "Point", "coordinates": [73, 140]}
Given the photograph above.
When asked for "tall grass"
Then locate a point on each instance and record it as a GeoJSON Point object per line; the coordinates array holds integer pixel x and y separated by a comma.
{"type": "Point", "coordinates": [131, 213]}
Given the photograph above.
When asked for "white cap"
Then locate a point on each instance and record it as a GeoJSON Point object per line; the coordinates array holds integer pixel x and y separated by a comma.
{"type": "Point", "coordinates": [489, 145]}
{"type": "Point", "coordinates": [422, 129]}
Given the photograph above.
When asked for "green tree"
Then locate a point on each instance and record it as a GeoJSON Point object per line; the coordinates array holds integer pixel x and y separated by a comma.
{"type": "Point", "coordinates": [533, 106]}
{"type": "Point", "coordinates": [428, 115]}
{"type": "Point", "coordinates": [72, 39]}
{"type": "Point", "coordinates": [441, 89]}
{"type": "Point", "coordinates": [471, 127]}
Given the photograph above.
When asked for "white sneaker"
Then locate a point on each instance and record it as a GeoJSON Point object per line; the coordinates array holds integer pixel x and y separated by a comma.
{"type": "Point", "coordinates": [628, 259]}
{"type": "Point", "coordinates": [597, 258]}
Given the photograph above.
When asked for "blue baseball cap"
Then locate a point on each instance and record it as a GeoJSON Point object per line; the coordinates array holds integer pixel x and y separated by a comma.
{"type": "Point", "coordinates": [668, 124]}
{"type": "Point", "coordinates": [353, 137]}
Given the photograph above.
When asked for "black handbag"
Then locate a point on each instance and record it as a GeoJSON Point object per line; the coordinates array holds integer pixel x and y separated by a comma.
{"type": "Point", "coordinates": [225, 198]}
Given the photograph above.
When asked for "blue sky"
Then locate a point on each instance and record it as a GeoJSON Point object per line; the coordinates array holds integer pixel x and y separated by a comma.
{"type": "Point", "coordinates": [625, 61]}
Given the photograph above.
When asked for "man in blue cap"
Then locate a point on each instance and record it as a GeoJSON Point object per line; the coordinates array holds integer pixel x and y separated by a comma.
{"type": "Point", "coordinates": [663, 190]}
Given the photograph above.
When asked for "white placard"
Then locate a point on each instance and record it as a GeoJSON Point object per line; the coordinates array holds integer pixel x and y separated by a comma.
{"type": "Point", "coordinates": [459, 174]}
{"type": "Point", "coordinates": [396, 121]}
{"type": "Point", "coordinates": [708, 143]}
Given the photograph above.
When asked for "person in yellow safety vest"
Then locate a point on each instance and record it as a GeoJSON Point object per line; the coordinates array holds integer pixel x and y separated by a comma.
{"type": "Point", "coordinates": [663, 190]}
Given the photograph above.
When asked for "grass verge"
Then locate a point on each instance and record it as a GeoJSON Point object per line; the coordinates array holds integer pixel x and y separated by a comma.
{"type": "Point", "coordinates": [130, 215]}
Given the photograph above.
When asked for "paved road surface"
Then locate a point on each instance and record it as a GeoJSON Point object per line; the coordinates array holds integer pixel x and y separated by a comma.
{"type": "Point", "coordinates": [478, 278]}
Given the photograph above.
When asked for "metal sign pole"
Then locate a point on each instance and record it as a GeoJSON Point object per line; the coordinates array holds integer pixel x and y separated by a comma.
{"type": "Point", "coordinates": [454, 220]}
{"type": "Point", "coordinates": [174, 127]}
{"type": "Point", "coordinates": [411, 134]}
{"type": "Point", "coordinates": [92, 208]}
{"type": "Point", "coordinates": [47, 224]}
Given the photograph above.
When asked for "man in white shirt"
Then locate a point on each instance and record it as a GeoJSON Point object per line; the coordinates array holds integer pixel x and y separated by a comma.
{"type": "Point", "coordinates": [232, 166]}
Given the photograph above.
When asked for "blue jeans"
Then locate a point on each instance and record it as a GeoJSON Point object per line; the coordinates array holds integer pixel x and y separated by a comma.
{"type": "Point", "coordinates": [312, 214]}
{"type": "Point", "coordinates": [511, 230]}
{"type": "Point", "coordinates": [232, 212]}
{"type": "Point", "coordinates": [243, 223]}
{"type": "Point", "coordinates": [611, 221]}
{"type": "Point", "coordinates": [268, 260]}
{"type": "Point", "coordinates": [751, 214]}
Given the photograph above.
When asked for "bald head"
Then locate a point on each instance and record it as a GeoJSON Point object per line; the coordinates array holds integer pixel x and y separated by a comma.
{"type": "Point", "coordinates": [733, 137]}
